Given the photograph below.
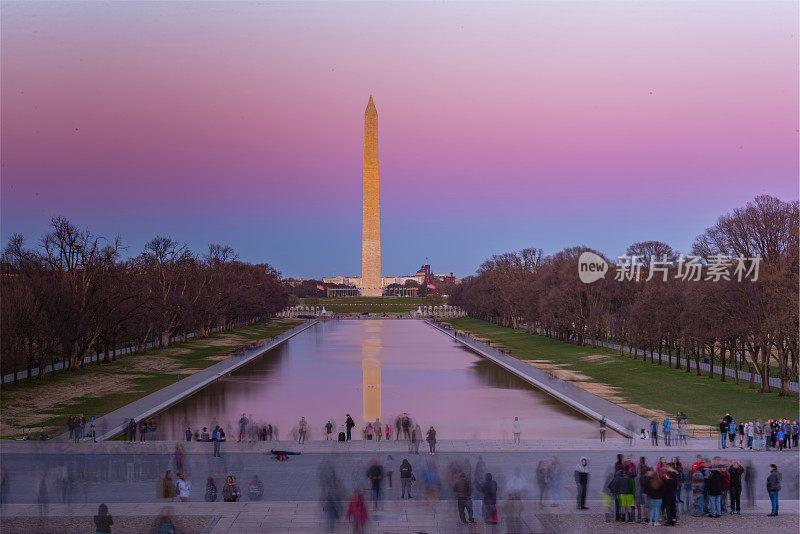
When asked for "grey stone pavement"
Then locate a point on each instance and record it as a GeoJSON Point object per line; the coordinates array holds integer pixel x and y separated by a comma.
{"type": "Point", "coordinates": [112, 423]}
{"type": "Point", "coordinates": [416, 516]}
{"type": "Point", "coordinates": [77, 477]}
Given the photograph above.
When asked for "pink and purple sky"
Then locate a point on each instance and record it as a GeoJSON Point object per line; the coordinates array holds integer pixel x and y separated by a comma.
{"type": "Point", "coordinates": [502, 125]}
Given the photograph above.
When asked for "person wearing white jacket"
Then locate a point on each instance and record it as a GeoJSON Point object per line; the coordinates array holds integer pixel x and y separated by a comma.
{"type": "Point", "coordinates": [184, 488]}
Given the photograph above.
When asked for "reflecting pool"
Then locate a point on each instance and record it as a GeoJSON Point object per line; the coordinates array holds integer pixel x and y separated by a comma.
{"type": "Point", "coordinates": [376, 369]}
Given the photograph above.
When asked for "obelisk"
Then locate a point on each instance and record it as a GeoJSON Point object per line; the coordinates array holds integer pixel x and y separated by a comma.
{"type": "Point", "coordinates": [371, 208]}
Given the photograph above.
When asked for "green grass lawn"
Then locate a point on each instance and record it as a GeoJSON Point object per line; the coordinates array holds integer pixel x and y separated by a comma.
{"type": "Point", "coordinates": [651, 386]}
{"type": "Point", "coordinates": [100, 389]}
{"type": "Point", "coordinates": [369, 304]}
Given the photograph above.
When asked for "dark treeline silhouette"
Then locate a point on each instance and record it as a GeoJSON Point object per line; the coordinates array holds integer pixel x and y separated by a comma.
{"type": "Point", "coordinates": [73, 295]}
{"type": "Point", "coordinates": [750, 325]}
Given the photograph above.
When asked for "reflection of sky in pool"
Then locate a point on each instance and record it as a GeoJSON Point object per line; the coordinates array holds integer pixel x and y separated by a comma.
{"type": "Point", "coordinates": [376, 367]}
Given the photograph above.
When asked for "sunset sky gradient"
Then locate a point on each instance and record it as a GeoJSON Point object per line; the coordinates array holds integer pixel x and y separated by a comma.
{"type": "Point", "coordinates": [501, 126]}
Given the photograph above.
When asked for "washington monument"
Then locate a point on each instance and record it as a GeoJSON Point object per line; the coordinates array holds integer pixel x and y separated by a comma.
{"type": "Point", "coordinates": [371, 215]}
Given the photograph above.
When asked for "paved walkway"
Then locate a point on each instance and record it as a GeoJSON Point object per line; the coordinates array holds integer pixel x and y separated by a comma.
{"type": "Point", "coordinates": [113, 423]}
{"type": "Point", "coordinates": [416, 516]}
{"type": "Point", "coordinates": [618, 418]}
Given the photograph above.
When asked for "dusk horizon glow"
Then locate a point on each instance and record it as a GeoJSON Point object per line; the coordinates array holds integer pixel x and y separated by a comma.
{"type": "Point", "coordinates": [501, 126]}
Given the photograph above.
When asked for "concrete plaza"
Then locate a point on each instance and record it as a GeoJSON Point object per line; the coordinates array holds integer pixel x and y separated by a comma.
{"type": "Point", "coordinates": [77, 477]}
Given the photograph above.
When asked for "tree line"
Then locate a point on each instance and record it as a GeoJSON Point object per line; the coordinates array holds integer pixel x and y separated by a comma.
{"type": "Point", "coordinates": [73, 294]}
{"type": "Point", "coordinates": [749, 324]}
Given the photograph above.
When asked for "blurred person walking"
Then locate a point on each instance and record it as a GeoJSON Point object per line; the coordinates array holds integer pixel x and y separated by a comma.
{"type": "Point", "coordinates": [375, 476]}
{"type": "Point", "coordinates": [330, 508]}
{"type": "Point", "coordinates": [654, 433]}
{"type": "Point", "coordinates": [541, 480]}
{"type": "Point", "coordinates": [357, 512]}
{"type": "Point", "coordinates": [416, 439]}
{"type": "Point", "coordinates": [582, 480]}
{"type": "Point", "coordinates": [489, 492]}
{"type": "Point", "coordinates": [255, 490]}
{"type": "Point", "coordinates": [389, 469]}
{"type": "Point", "coordinates": [554, 478]}
{"type": "Point", "coordinates": [163, 524]}
{"type": "Point", "coordinates": [603, 429]}
{"type": "Point", "coordinates": [211, 490]}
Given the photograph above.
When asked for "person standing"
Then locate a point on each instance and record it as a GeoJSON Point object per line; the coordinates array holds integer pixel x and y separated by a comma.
{"type": "Point", "coordinates": [654, 433]}
{"type": "Point", "coordinates": [378, 429]}
{"type": "Point", "coordinates": [406, 478]}
{"type": "Point", "coordinates": [541, 480]}
{"type": "Point", "coordinates": [715, 481]}
{"type": "Point", "coordinates": [735, 472]}
{"type": "Point", "coordinates": [774, 487]}
{"type": "Point", "coordinates": [302, 430]}
{"type": "Point", "coordinates": [603, 429]}
{"type": "Point", "coordinates": [216, 437]}
{"type": "Point", "coordinates": [582, 479]}
{"type": "Point", "coordinates": [655, 494]}
{"type": "Point", "coordinates": [406, 423]}
{"type": "Point", "coordinates": [723, 434]}
{"type": "Point", "coordinates": [516, 428]}
{"type": "Point", "coordinates": [397, 424]}
{"type": "Point", "coordinates": [463, 490]}
{"type": "Point", "coordinates": [682, 430]}
{"type": "Point", "coordinates": [667, 425]}
{"type": "Point", "coordinates": [328, 430]}
{"type": "Point", "coordinates": [242, 427]}
{"type": "Point", "coordinates": [431, 439]}
{"type": "Point", "coordinates": [349, 423]}
{"type": "Point", "coordinates": [184, 488]}
{"type": "Point", "coordinates": [231, 492]}
{"type": "Point", "coordinates": [671, 494]}
{"type": "Point", "coordinates": [188, 434]}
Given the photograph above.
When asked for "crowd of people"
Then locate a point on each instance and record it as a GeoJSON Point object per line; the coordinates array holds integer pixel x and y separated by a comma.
{"type": "Point", "coordinates": [778, 434]}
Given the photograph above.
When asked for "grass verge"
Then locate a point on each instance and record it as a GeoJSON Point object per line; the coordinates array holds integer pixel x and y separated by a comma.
{"type": "Point", "coordinates": [102, 388]}
{"type": "Point", "coordinates": [650, 386]}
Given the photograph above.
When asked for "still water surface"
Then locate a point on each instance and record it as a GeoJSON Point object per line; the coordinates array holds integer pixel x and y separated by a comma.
{"type": "Point", "coordinates": [370, 369]}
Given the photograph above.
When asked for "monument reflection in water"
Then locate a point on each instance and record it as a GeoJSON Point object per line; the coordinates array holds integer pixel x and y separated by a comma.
{"type": "Point", "coordinates": [376, 369]}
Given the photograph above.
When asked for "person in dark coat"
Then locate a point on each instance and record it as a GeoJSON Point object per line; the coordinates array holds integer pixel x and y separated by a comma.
{"type": "Point", "coordinates": [670, 492]}
{"type": "Point", "coordinates": [463, 490]}
{"type": "Point", "coordinates": [735, 472]}
{"type": "Point", "coordinates": [715, 481]}
{"type": "Point", "coordinates": [582, 480]}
